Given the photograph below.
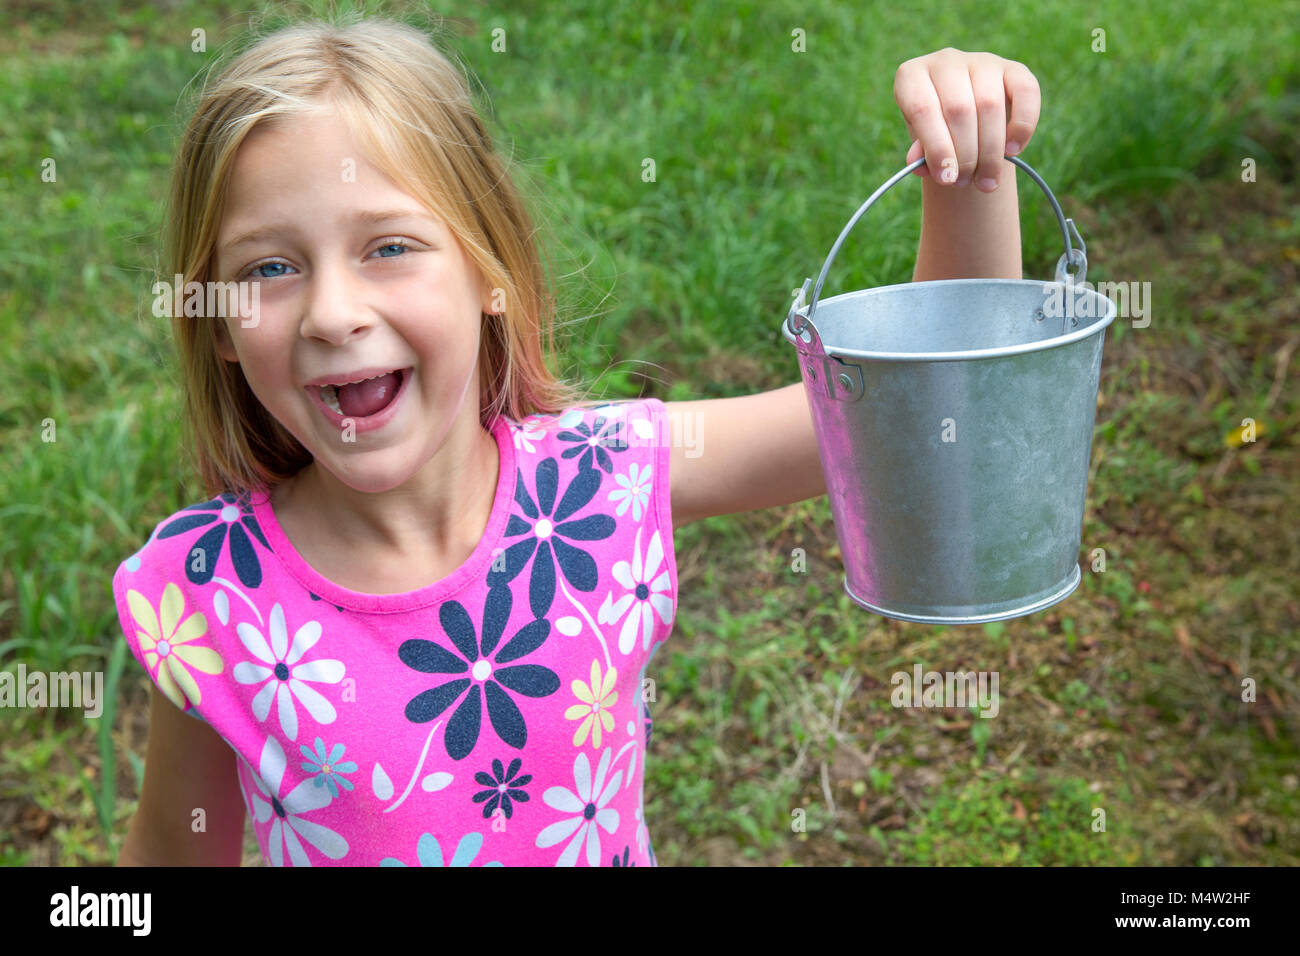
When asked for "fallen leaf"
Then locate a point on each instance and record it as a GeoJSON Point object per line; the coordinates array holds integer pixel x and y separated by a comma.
{"type": "Point", "coordinates": [1270, 730]}
{"type": "Point", "coordinates": [1237, 437]}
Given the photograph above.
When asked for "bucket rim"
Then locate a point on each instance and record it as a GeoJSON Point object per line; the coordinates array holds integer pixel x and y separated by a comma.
{"type": "Point", "coordinates": [966, 354]}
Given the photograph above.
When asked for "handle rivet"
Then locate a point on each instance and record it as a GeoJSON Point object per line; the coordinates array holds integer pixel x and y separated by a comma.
{"type": "Point", "coordinates": [845, 380]}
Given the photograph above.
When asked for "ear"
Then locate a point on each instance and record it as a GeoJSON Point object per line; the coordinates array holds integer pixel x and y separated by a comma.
{"type": "Point", "coordinates": [491, 302]}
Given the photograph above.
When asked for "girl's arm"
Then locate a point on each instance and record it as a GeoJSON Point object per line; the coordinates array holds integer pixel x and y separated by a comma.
{"type": "Point", "coordinates": [963, 111]}
{"type": "Point", "coordinates": [188, 766]}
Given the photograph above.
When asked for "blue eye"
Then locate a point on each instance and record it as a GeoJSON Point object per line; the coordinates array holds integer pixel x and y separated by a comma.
{"type": "Point", "coordinates": [389, 250]}
{"type": "Point", "coordinates": [267, 265]}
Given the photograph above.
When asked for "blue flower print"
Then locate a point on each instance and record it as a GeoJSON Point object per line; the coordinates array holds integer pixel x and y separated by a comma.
{"type": "Point", "coordinates": [328, 769]}
{"type": "Point", "coordinates": [503, 787]}
{"type": "Point", "coordinates": [624, 861]}
{"type": "Point", "coordinates": [429, 853]}
{"type": "Point", "coordinates": [546, 526]}
{"type": "Point", "coordinates": [235, 514]}
{"type": "Point", "coordinates": [593, 441]}
{"type": "Point", "coordinates": [487, 678]}
{"type": "Point", "coordinates": [316, 597]}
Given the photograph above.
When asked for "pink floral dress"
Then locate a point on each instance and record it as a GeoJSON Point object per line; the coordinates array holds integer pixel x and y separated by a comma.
{"type": "Point", "coordinates": [498, 716]}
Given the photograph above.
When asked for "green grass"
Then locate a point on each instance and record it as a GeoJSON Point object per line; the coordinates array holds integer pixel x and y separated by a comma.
{"type": "Point", "coordinates": [1122, 698]}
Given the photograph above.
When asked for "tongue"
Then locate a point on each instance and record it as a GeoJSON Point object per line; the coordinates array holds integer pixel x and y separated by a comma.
{"type": "Point", "coordinates": [365, 398]}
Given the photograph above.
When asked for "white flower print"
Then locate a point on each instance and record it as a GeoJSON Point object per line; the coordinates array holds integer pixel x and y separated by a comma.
{"type": "Point", "coordinates": [635, 491]}
{"type": "Point", "coordinates": [647, 588]}
{"type": "Point", "coordinates": [641, 833]}
{"type": "Point", "coordinates": [633, 743]}
{"type": "Point", "coordinates": [289, 825]}
{"type": "Point", "coordinates": [587, 800]}
{"type": "Point", "coordinates": [524, 435]}
{"type": "Point", "coordinates": [285, 677]}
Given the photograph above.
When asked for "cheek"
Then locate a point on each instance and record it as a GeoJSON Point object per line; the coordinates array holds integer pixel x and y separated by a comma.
{"type": "Point", "coordinates": [447, 355]}
{"type": "Point", "coordinates": [265, 365]}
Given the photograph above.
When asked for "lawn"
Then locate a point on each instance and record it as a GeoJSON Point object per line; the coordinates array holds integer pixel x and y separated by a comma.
{"type": "Point", "coordinates": [773, 694]}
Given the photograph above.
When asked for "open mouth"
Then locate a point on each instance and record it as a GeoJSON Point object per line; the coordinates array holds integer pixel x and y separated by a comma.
{"type": "Point", "coordinates": [370, 401]}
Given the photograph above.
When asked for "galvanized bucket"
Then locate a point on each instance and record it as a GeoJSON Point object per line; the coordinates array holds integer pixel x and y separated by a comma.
{"type": "Point", "coordinates": [954, 424]}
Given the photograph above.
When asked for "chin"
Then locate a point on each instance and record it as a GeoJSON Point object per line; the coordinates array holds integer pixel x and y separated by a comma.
{"type": "Point", "coordinates": [373, 478]}
{"type": "Point", "coordinates": [376, 482]}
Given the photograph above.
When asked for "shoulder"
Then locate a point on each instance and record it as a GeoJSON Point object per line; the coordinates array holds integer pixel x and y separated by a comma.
{"type": "Point", "coordinates": [600, 434]}
{"type": "Point", "coordinates": [619, 449]}
{"type": "Point", "coordinates": [634, 412]}
{"type": "Point", "coordinates": [194, 536]}
{"type": "Point", "coordinates": [160, 591]}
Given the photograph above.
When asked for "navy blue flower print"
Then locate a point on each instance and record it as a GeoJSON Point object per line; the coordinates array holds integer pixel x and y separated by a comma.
{"type": "Point", "coordinates": [316, 597]}
{"type": "Point", "coordinates": [592, 442]}
{"type": "Point", "coordinates": [487, 678]}
{"type": "Point", "coordinates": [624, 862]}
{"type": "Point", "coordinates": [229, 512]}
{"type": "Point", "coordinates": [503, 787]}
{"type": "Point", "coordinates": [546, 526]}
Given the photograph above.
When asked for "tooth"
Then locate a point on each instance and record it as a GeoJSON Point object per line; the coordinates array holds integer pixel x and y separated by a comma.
{"type": "Point", "coordinates": [329, 395]}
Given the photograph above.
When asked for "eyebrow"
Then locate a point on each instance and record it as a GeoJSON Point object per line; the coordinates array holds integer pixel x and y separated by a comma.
{"type": "Point", "coordinates": [367, 217]}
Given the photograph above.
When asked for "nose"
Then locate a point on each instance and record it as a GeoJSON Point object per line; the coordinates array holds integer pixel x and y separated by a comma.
{"type": "Point", "coordinates": [335, 309]}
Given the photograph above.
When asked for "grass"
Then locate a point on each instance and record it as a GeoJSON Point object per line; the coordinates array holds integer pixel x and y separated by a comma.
{"type": "Point", "coordinates": [774, 739]}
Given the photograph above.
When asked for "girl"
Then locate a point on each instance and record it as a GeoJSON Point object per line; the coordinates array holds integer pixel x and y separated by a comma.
{"type": "Point", "coordinates": [410, 628]}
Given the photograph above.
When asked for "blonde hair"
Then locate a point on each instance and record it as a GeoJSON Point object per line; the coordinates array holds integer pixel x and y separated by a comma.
{"type": "Point", "coordinates": [412, 110]}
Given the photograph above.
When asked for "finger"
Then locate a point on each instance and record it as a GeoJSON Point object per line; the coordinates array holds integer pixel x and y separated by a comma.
{"type": "Point", "coordinates": [913, 155]}
{"type": "Point", "coordinates": [991, 119]}
{"type": "Point", "coordinates": [952, 85]}
{"type": "Point", "coordinates": [916, 97]}
{"type": "Point", "coordinates": [1026, 100]}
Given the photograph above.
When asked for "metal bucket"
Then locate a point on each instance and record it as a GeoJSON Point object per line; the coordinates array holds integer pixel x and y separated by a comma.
{"type": "Point", "coordinates": [954, 424]}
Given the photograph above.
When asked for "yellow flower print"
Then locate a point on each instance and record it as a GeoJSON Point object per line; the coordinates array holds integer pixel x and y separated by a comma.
{"type": "Point", "coordinates": [596, 699]}
{"type": "Point", "coordinates": [166, 640]}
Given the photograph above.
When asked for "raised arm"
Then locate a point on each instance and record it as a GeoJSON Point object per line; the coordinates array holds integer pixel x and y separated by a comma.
{"type": "Point", "coordinates": [963, 111]}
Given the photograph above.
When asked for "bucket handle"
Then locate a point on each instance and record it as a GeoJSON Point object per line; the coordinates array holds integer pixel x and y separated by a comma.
{"type": "Point", "coordinates": [1073, 256]}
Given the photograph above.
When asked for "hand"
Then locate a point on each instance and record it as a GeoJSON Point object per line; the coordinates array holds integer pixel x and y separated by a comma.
{"type": "Point", "coordinates": [964, 111]}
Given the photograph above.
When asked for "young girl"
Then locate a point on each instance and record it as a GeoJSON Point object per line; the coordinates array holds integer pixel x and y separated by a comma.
{"type": "Point", "coordinates": [410, 628]}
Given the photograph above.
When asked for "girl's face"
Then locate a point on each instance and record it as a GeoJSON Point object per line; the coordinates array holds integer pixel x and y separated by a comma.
{"type": "Point", "coordinates": [355, 279]}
